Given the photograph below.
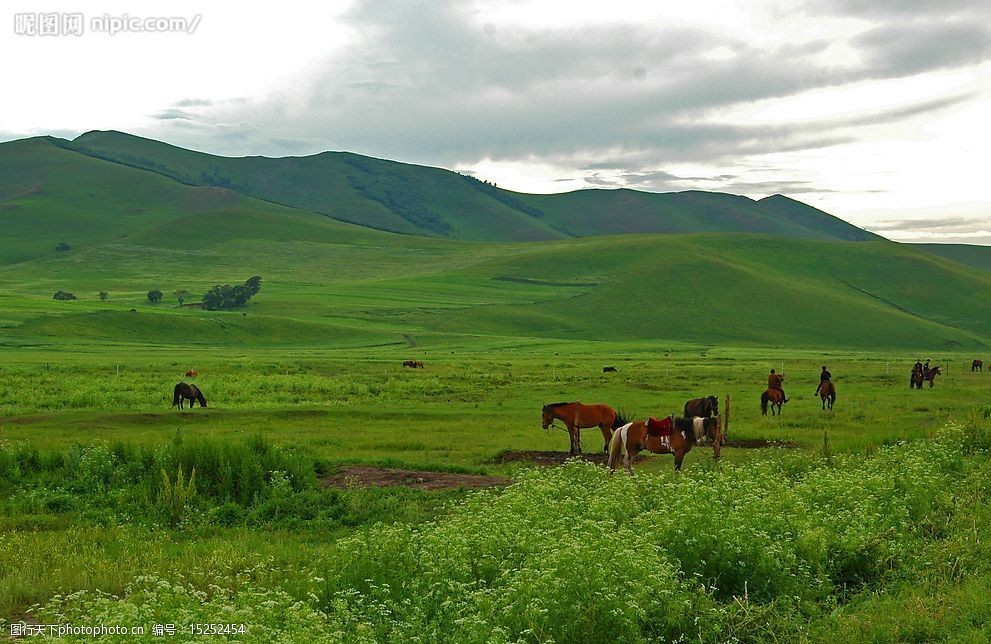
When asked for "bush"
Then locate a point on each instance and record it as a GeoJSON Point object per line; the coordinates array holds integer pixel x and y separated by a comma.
{"type": "Point", "coordinates": [63, 296]}
{"type": "Point", "coordinates": [62, 247]}
{"type": "Point", "coordinates": [155, 296]}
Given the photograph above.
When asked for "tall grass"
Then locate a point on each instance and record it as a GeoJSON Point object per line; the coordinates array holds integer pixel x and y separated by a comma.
{"type": "Point", "coordinates": [785, 548]}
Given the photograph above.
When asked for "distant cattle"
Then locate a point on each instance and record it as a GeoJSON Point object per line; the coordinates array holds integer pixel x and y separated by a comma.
{"type": "Point", "coordinates": [413, 364]}
{"type": "Point", "coordinates": [608, 369]}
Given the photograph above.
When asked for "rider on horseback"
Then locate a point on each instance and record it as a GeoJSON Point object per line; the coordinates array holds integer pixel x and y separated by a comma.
{"type": "Point", "coordinates": [825, 376]}
{"type": "Point", "coordinates": [774, 381]}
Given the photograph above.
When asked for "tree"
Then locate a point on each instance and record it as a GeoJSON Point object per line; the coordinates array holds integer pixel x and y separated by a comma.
{"type": "Point", "coordinates": [155, 296]}
{"type": "Point", "coordinates": [62, 295]}
{"type": "Point", "coordinates": [181, 295]}
{"type": "Point", "coordinates": [231, 297]}
{"type": "Point", "coordinates": [103, 296]}
{"type": "Point", "coordinates": [254, 284]}
{"type": "Point", "coordinates": [62, 247]}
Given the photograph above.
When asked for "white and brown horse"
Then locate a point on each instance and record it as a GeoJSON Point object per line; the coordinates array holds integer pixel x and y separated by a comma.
{"type": "Point", "coordinates": [668, 435]}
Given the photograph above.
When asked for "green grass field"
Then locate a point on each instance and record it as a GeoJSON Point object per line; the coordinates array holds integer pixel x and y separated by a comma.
{"type": "Point", "coordinates": [116, 509]}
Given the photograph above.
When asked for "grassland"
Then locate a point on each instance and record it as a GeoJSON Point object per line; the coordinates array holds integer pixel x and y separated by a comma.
{"type": "Point", "coordinates": [115, 508]}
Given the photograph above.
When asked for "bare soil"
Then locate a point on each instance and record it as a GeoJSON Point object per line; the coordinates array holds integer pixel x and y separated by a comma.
{"type": "Point", "coordinates": [384, 477]}
{"type": "Point", "coordinates": [552, 458]}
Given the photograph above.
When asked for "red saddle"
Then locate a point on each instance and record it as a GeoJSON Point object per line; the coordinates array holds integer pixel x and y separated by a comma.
{"type": "Point", "coordinates": [662, 427]}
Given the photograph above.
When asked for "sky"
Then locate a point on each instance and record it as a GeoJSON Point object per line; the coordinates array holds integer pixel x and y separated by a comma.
{"type": "Point", "coordinates": [876, 111]}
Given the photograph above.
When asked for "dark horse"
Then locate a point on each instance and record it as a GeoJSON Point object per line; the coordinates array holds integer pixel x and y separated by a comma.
{"type": "Point", "coordinates": [666, 436]}
{"type": "Point", "coordinates": [577, 416]}
{"type": "Point", "coordinates": [977, 365]}
{"type": "Point", "coordinates": [188, 392]}
{"type": "Point", "coordinates": [773, 396]}
{"type": "Point", "coordinates": [828, 394]}
{"type": "Point", "coordinates": [917, 379]}
{"type": "Point", "coordinates": [703, 407]}
{"type": "Point", "coordinates": [930, 376]}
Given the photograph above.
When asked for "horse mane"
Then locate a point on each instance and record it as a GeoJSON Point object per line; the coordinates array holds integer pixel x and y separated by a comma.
{"type": "Point", "coordinates": [558, 404]}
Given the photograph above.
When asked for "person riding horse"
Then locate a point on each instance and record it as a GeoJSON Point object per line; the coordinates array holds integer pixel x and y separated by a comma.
{"type": "Point", "coordinates": [774, 381]}
{"type": "Point", "coordinates": [825, 376]}
{"type": "Point", "coordinates": [926, 369]}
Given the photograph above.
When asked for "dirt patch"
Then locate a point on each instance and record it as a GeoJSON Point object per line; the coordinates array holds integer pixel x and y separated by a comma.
{"type": "Point", "coordinates": [383, 477]}
{"type": "Point", "coordinates": [552, 458]}
{"type": "Point", "coordinates": [758, 443]}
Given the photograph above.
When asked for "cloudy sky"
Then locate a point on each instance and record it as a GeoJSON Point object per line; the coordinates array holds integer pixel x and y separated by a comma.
{"type": "Point", "coordinates": [874, 110]}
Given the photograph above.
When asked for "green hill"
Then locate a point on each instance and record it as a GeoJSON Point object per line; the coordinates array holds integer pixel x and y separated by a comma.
{"type": "Point", "coordinates": [967, 254]}
{"type": "Point", "coordinates": [331, 284]}
{"type": "Point", "coordinates": [420, 200]}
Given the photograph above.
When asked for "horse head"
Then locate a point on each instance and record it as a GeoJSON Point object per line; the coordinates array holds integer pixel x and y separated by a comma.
{"type": "Point", "coordinates": [713, 405]}
{"type": "Point", "coordinates": [547, 414]}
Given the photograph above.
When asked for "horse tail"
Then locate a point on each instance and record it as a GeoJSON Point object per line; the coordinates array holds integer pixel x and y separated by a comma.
{"type": "Point", "coordinates": [615, 448]}
{"type": "Point", "coordinates": [763, 403]}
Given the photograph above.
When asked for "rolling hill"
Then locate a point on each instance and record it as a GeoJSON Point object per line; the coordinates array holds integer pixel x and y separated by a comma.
{"type": "Point", "coordinates": [332, 284]}
{"type": "Point", "coordinates": [966, 254]}
{"type": "Point", "coordinates": [419, 200]}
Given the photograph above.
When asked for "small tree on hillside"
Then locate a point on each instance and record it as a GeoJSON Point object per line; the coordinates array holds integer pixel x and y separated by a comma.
{"type": "Point", "coordinates": [103, 296]}
{"type": "Point", "coordinates": [181, 295]}
{"type": "Point", "coordinates": [155, 296]}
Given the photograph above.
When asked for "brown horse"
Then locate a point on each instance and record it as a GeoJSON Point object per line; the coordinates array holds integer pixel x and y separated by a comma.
{"type": "Point", "coordinates": [188, 392]}
{"type": "Point", "coordinates": [773, 396]}
{"type": "Point", "coordinates": [577, 416]}
{"type": "Point", "coordinates": [917, 379]}
{"type": "Point", "coordinates": [669, 435]}
{"type": "Point", "coordinates": [977, 365]}
{"type": "Point", "coordinates": [703, 407]}
{"type": "Point", "coordinates": [930, 376]}
{"type": "Point", "coordinates": [828, 394]}
{"type": "Point", "coordinates": [191, 374]}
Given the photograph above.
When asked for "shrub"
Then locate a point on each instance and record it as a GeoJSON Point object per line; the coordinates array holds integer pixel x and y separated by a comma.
{"type": "Point", "coordinates": [63, 296]}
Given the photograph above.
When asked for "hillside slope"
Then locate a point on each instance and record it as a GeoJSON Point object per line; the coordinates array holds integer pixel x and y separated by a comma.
{"type": "Point", "coordinates": [420, 200]}
{"type": "Point", "coordinates": [966, 254]}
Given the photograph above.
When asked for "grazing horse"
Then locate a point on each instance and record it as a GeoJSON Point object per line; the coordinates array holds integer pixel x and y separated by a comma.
{"type": "Point", "coordinates": [828, 394]}
{"type": "Point", "coordinates": [184, 391]}
{"type": "Point", "coordinates": [669, 435]}
{"type": "Point", "coordinates": [977, 365]}
{"type": "Point", "coordinates": [703, 407]}
{"type": "Point", "coordinates": [773, 396]}
{"type": "Point", "coordinates": [191, 374]}
{"type": "Point", "coordinates": [609, 369]}
{"type": "Point", "coordinates": [930, 376]}
{"type": "Point", "coordinates": [413, 364]}
{"type": "Point", "coordinates": [577, 416]}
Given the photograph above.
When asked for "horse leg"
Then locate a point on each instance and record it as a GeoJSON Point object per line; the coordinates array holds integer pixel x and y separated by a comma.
{"type": "Point", "coordinates": [573, 436]}
{"type": "Point", "coordinates": [679, 456]}
{"type": "Point", "coordinates": [606, 435]}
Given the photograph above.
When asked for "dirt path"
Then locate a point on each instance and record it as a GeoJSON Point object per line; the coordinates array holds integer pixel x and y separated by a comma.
{"type": "Point", "coordinates": [550, 457]}
{"type": "Point", "coordinates": [383, 477]}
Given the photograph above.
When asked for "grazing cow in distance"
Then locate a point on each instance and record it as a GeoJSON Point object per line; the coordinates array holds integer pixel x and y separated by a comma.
{"type": "Point", "coordinates": [413, 364]}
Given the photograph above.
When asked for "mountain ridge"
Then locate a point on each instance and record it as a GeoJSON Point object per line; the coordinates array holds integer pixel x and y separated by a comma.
{"type": "Point", "coordinates": [424, 200]}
